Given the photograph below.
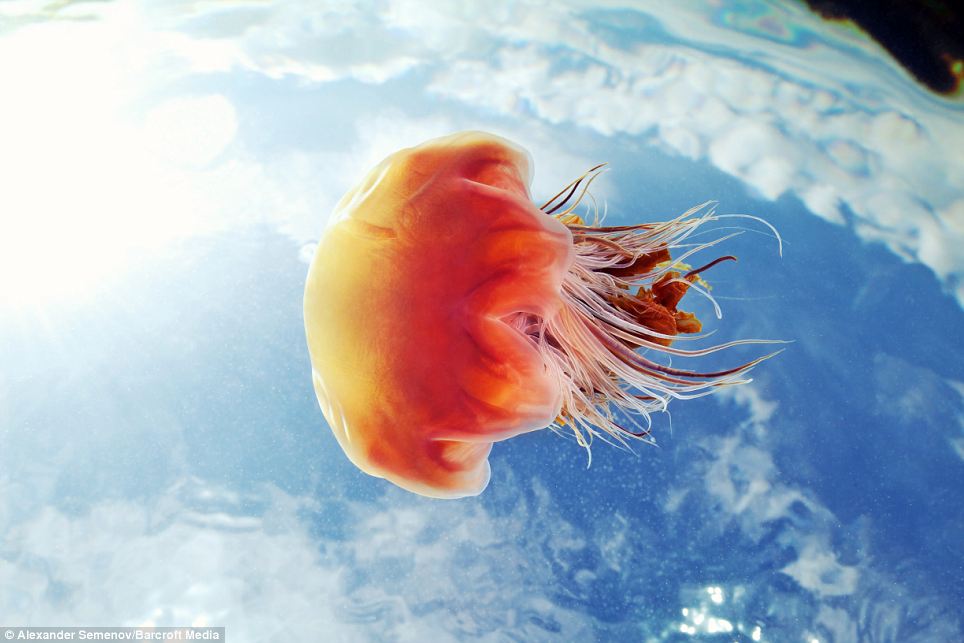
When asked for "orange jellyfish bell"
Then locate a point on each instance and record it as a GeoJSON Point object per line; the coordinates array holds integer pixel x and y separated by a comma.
{"type": "Point", "coordinates": [445, 311]}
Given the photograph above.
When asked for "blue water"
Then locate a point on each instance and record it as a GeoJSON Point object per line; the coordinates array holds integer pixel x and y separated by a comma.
{"type": "Point", "coordinates": [162, 457]}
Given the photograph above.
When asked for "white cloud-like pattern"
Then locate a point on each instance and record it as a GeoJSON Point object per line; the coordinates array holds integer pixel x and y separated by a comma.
{"type": "Point", "coordinates": [267, 564]}
{"type": "Point", "coordinates": [845, 135]}
{"type": "Point", "coordinates": [745, 488]}
{"type": "Point", "coordinates": [208, 556]}
{"type": "Point", "coordinates": [745, 483]}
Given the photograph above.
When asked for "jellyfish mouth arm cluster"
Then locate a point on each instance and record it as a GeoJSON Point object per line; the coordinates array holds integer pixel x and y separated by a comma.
{"type": "Point", "coordinates": [445, 311]}
{"type": "Point", "coordinates": [621, 295]}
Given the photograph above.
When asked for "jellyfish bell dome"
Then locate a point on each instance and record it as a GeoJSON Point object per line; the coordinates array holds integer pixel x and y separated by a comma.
{"type": "Point", "coordinates": [409, 305]}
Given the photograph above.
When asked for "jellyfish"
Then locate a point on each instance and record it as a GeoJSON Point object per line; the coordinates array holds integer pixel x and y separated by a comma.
{"type": "Point", "coordinates": [445, 311]}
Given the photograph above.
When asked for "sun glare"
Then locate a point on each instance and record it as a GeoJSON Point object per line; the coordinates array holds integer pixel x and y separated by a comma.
{"type": "Point", "coordinates": [89, 184]}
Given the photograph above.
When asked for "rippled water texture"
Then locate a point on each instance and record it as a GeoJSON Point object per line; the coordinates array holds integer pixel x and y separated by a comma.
{"type": "Point", "coordinates": [165, 168]}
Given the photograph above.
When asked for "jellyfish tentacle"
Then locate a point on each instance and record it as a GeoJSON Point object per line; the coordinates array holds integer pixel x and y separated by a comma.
{"type": "Point", "coordinates": [572, 187]}
{"type": "Point", "coordinates": [705, 267]}
{"type": "Point", "coordinates": [776, 233]}
{"type": "Point", "coordinates": [575, 186]}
